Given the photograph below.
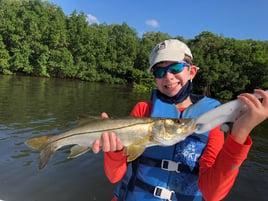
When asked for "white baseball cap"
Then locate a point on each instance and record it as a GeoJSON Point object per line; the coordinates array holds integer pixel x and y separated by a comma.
{"type": "Point", "coordinates": [169, 50]}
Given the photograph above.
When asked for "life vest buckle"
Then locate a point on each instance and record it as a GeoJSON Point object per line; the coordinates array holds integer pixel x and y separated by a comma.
{"type": "Point", "coordinates": [163, 193]}
{"type": "Point", "coordinates": [169, 165]}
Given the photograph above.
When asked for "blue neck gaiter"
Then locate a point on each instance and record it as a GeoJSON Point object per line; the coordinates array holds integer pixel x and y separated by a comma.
{"type": "Point", "coordinates": [179, 97]}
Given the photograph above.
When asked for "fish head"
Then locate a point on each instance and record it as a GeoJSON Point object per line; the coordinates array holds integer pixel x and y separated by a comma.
{"type": "Point", "coordinates": [168, 132]}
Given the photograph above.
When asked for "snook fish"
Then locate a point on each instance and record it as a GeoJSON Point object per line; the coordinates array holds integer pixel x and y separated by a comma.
{"type": "Point", "coordinates": [135, 133]}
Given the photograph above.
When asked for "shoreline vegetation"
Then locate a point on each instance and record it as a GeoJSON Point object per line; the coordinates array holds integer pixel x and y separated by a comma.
{"type": "Point", "coordinates": [38, 39]}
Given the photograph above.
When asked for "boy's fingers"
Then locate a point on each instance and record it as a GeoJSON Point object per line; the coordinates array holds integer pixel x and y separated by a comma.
{"type": "Point", "coordinates": [104, 115]}
{"type": "Point", "coordinates": [96, 146]}
{"type": "Point", "coordinates": [105, 142]}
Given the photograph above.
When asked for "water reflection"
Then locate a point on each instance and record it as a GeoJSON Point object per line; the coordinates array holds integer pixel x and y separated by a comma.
{"type": "Point", "coordinates": [33, 106]}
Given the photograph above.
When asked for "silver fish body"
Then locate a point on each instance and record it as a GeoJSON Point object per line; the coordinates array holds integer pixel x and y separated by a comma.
{"type": "Point", "coordinates": [224, 113]}
{"type": "Point", "coordinates": [136, 134]}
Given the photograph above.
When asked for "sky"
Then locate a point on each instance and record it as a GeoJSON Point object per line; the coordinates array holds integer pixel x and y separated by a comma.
{"type": "Point", "coordinates": [239, 19]}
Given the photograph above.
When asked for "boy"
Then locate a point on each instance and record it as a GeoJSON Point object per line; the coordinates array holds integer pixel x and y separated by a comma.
{"type": "Point", "coordinates": [205, 165]}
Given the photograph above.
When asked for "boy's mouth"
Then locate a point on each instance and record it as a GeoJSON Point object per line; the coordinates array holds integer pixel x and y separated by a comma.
{"type": "Point", "coordinates": [171, 85]}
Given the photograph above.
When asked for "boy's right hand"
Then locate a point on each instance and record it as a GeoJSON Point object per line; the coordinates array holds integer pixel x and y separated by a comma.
{"type": "Point", "coordinates": [109, 141]}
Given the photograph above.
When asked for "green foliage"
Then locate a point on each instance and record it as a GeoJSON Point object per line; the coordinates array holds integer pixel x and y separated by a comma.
{"type": "Point", "coordinates": [37, 38]}
{"type": "Point", "coordinates": [60, 63]}
{"type": "Point", "coordinates": [4, 58]}
{"type": "Point", "coordinates": [228, 66]}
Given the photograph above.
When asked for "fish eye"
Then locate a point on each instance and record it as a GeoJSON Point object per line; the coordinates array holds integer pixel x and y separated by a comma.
{"type": "Point", "coordinates": [178, 121]}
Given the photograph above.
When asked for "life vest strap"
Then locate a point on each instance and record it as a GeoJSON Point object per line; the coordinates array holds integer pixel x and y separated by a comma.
{"type": "Point", "coordinates": [168, 165]}
{"type": "Point", "coordinates": [164, 193]}
{"type": "Point", "coordinates": [156, 191]}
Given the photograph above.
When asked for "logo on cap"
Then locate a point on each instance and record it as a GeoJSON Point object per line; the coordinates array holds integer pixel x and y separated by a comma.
{"type": "Point", "coordinates": [160, 46]}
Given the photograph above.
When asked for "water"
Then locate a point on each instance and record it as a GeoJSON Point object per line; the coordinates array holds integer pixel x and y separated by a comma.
{"type": "Point", "coordinates": [35, 106]}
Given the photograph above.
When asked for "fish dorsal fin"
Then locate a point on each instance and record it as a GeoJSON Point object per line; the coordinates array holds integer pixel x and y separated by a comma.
{"type": "Point", "coordinates": [133, 152]}
{"type": "Point", "coordinates": [78, 150]}
{"type": "Point", "coordinates": [85, 118]}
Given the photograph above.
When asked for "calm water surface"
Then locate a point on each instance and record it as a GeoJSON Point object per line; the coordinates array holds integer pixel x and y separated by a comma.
{"type": "Point", "coordinates": [37, 106]}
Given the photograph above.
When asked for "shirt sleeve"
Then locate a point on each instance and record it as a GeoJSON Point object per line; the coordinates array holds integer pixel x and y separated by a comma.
{"type": "Point", "coordinates": [219, 164]}
{"type": "Point", "coordinates": [115, 163]}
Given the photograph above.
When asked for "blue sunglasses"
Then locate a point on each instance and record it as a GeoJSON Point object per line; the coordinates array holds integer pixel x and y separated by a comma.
{"type": "Point", "coordinates": [160, 72]}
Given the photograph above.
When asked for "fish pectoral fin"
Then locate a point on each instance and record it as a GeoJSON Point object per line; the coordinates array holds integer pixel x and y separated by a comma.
{"type": "Point", "coordinates": [78, 150]}
{"type": "Point", "coordinates": [133, 152]}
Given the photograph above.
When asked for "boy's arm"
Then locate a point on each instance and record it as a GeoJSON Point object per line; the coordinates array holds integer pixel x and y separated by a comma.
{"type": "Point", "coordinates": [115, 164]}
{"type": "Point", "coordinates": [219, 164]}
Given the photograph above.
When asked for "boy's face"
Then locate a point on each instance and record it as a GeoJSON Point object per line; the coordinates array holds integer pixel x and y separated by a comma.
{"type": "Point", "coordinates": [171, 84]}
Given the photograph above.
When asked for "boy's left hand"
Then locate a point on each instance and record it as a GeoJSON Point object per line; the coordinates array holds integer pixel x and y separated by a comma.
{"type": "Point", "coordinates": [257, 112]}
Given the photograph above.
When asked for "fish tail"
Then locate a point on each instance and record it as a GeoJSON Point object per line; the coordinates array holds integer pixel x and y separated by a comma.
{"type": "Point", "coordinates": [47, 149]}
{"type": "Point", "coordinates": [45, 155]}
{"type": "Point", "coordinates": [37, 142]}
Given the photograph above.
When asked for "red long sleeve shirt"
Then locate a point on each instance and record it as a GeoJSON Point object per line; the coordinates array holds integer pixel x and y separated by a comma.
{"type": "Point", "coordinates": [218, 165]}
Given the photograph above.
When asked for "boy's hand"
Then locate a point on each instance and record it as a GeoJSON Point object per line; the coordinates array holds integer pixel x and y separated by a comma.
{"type": "Point", "coordinates": [109, 141]}
{"type": "Point", "coordinates": [257, 112]}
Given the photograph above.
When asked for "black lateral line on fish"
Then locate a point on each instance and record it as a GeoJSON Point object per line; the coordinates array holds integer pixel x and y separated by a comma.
{"type": "Point", "coordinates": [103, 130]}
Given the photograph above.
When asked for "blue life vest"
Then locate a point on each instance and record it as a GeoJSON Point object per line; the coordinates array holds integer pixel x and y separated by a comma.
{"type": "Point", "coordinates": [168, 173]}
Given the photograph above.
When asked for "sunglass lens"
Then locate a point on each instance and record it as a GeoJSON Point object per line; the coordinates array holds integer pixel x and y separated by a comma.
{"type": "Point", "coordinates": [160, 72]}
{"type": "Point", "coordinates": [177, 68]}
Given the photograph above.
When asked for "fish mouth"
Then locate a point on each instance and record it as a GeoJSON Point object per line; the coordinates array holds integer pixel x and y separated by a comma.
{"type": "Point", "coordinates": [170, 141]}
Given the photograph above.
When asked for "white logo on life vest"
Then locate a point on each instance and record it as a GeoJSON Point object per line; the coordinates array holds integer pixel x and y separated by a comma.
{"type": "Point", "coordinates": [189, 153]}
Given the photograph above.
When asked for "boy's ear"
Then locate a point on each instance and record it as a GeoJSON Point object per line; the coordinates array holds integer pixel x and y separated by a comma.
{"type": "Point", "coordinates": [193, 71]}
